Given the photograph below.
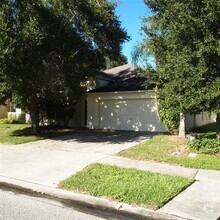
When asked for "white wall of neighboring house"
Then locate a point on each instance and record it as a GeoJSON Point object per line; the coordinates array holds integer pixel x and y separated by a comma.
{"type": "Point", "coordinates": [123, 111]}
{"type": "Point", "coordinates": [17, 114]}
{"type": "Point", "coordinates": [198, 120]}
{"type": "Point", "coordinates": [204, 119]}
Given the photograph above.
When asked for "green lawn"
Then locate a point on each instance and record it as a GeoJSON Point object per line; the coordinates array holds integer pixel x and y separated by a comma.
{"type": "Point", "coordinates": [161, 147]}
{"type": "Point", "coordinates": [21, 133]}
{"type": "Point", "coordinates": [131, 186]}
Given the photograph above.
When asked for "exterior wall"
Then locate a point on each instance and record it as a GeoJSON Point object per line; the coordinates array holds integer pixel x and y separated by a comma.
{"type": "Point", "coordinates": [204, 118]}
{"type": "Point", "coordinates": [123, 111]}
{"type": "Point", "coordinates": [18, 114]}
{"type": "Point", "coordinates": [193, 121]}
{"type": "Point", "coordinates": [190, 121]}
{"type": "Point", "coordinates": [3, 111]}
{"type": "Point", "coordinates": [79, 115]}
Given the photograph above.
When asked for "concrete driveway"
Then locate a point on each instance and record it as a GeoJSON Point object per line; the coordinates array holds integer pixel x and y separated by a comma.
{"type": "Point", "coordinates": [49, 161]}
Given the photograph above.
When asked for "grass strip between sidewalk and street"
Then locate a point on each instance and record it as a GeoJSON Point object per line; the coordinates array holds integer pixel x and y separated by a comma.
{"type": "Point", "coordinates": [161, 147]}
{"type": "Point", "coordinates": [144, 188]}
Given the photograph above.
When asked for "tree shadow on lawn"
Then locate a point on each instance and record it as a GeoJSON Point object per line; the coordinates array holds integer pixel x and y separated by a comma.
{"type": "Point", "coordinates": [83, 135]}
{"type": "Point", "coordinates": [45, 131]}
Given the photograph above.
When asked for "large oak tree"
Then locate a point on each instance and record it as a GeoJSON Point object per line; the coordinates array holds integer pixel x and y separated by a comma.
{"type": "Point", "coordinates": [184, 39]}
{"type": "Point", "coordinates": [49, 47]}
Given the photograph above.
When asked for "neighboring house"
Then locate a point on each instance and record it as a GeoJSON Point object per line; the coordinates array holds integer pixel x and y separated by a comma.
{"type": "Point", "coordinates": [119, 100]}
{"type": "Point", "coordinates": [193, 121]}
{"type": "Point", "coordinates": [10, 112]}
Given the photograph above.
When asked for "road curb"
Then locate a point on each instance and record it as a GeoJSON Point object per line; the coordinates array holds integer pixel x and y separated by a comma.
{"type": "Point", "coordinates": [68, 197]}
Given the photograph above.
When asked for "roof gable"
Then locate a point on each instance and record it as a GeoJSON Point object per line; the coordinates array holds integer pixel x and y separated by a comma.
{"type": "Point", "coordinates": [124, 78]}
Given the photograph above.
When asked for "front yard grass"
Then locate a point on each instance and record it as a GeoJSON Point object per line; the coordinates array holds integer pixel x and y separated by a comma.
{"type": "Point", "coordinates": [21, 133]}
{"type": "Point", "coordinates": [160, 148]}
{"type": "Point", "coordinates": [151, 190]}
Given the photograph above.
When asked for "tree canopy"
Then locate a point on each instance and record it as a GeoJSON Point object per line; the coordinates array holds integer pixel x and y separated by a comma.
{"type": "Point", "coordinates": [49, 47]}
{"type": "Point", "coordinates": [122, 59]}
{"type": "Point", "coordinates": [184, 39]}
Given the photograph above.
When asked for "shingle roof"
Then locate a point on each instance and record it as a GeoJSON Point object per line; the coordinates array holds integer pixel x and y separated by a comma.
{"type": "Point", "coordinates": [119, 69]}
{"type": "Point", "coordinates": [124, 78]}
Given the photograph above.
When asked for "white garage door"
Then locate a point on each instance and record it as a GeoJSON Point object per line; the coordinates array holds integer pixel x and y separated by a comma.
{"type": "Point", "coordinates": [138, 115]}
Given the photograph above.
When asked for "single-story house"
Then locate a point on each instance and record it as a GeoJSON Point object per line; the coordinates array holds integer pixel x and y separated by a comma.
{"type": "Point", "coordinates": [10, 112]}
{"type": "Point", "coordinates": [120, 100]}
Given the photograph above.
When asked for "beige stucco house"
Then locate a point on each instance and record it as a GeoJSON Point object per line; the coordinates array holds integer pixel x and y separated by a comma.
{"type": "Point", "coordinates": [119, 100]}
{"type": "Point", "coordinates": [123, 103]}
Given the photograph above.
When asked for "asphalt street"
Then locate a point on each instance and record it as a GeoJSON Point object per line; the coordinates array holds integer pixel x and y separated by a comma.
{"type": "Point", "coordinates": [17, 206]}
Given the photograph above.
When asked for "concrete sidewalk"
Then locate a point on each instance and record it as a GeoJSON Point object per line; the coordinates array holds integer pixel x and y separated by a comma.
{"type": "Point", "coordinates": [40, 166]}
{"type": "Point", "coordinates": [200, 201]}
{"type": "Point", "coordinates": [50, 161]}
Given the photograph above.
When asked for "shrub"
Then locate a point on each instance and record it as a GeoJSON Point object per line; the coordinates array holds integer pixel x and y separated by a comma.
{"type": "Point", "coordinates": [14, 121]}
{"type": "Point", "coordinates": [3, 121]}
{"type": "Point", "coordinates": [169, 116]}
{"type": "Point", "coordinates": [206, 146]}
{"type": "Point", "coordinates": [10, 121]}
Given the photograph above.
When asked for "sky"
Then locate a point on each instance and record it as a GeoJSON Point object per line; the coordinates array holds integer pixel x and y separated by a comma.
{"type": "Point", "coordinates": [130, 13]}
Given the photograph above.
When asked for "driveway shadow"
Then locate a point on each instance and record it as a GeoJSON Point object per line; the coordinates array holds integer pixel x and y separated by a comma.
{"type": "Point", "coordinates": [97, 136]}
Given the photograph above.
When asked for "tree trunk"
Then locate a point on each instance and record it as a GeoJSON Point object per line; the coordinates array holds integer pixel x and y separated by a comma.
{"type": "Point", "coordinates": [218, 126]}
{"type": "Point", "coordinates": [182, 126]}
{"type": "Point", "coordinates": [34, 113]}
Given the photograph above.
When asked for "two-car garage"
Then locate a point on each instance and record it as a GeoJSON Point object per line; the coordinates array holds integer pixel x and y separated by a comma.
{"type": "Point", "coordinates": [123, 103]}
{"type": "Point", "coordinates": [123, 111]}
